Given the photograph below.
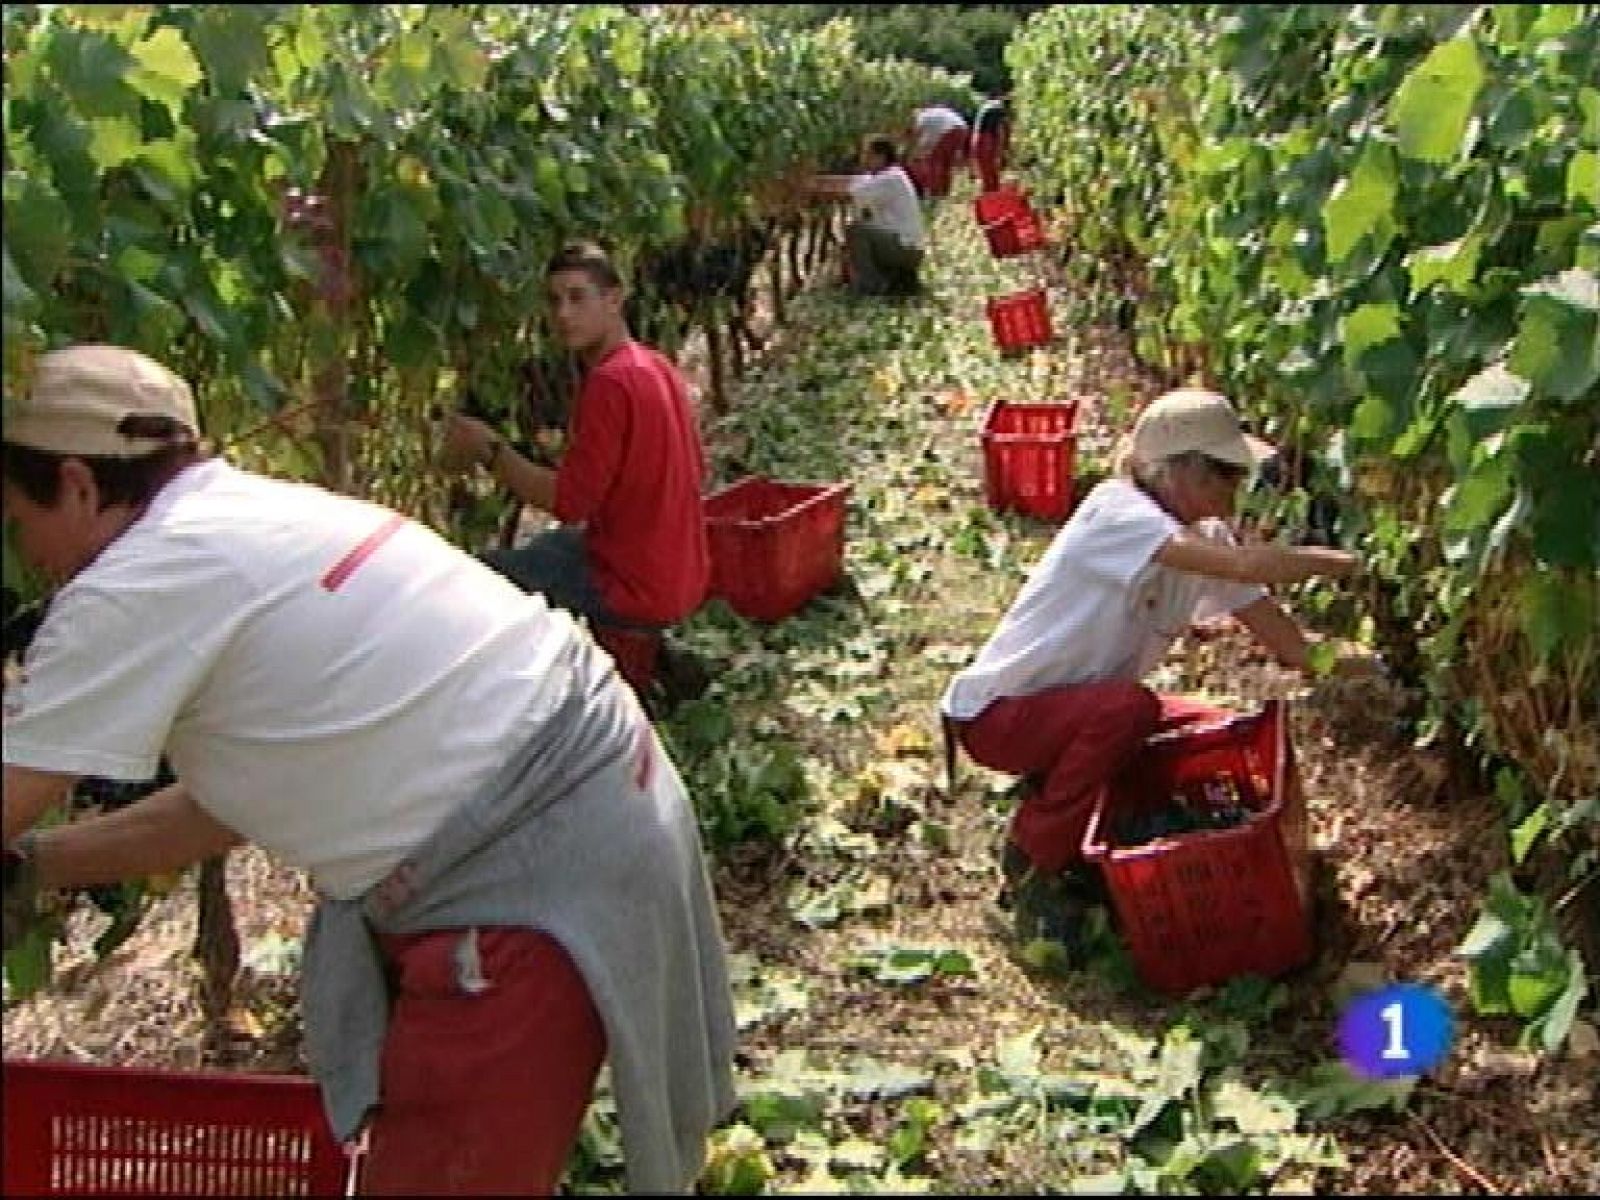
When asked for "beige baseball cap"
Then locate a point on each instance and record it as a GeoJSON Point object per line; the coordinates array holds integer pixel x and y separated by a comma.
{"type": "Point", "coordinates": [1190, 420]}
{"type": "Point", "coordinates": [83, 397]}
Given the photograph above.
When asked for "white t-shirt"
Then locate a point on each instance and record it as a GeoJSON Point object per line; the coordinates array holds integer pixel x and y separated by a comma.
{"type": "Point", "coordinates": [888, 200]}
{"type": "Point", "coordinates": [328, 678]}
{"type": "Point", "coordinates": [930, 124]}
{"type": "Point", "coordinates": [1097, 606]}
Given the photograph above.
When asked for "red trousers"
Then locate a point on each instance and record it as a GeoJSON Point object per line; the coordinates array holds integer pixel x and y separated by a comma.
{"type": "Point", "coordinates": [931, 172]}
{"type": "Point", "coordinates": [988, 156]}
{"type": "Point", "coordinates": [488, 1067]}
{"type": "Point", "coordinates": [1077, 738]}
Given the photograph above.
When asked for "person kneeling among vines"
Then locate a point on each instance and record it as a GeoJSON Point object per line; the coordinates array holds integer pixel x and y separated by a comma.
{"type": "Point", "coordinates": [937, 148]}
{"type": "Point", "coordinates": [631, 548]}
{"type": "Point", "coordinates": [884, 244]}
{"type": "Point", "coordinates": [510, 879]}
{"type": "Point", "coordinates": [1055, 694]}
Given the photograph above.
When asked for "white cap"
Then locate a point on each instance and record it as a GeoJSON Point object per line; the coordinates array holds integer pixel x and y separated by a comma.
{"type": "Point", "coordinates": [82, 396]}
{"type": "Point", "coordinates": [1193, 420]}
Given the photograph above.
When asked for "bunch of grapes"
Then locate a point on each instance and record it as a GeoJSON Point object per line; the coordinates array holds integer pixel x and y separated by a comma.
{"type": "Point", "coordinates": [1212, 804]}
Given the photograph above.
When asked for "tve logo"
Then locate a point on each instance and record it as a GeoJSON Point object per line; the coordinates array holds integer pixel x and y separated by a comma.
{"type": "Point", "coordinates": [1403, 1029]}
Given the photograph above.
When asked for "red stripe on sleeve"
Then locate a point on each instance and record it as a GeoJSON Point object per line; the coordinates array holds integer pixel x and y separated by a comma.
{"type": "Point", "coordinates": [347, 565]}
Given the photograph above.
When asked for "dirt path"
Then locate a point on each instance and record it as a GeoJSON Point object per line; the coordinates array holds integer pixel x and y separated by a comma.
{"type": "Point", "coordinates": [894, 1038]}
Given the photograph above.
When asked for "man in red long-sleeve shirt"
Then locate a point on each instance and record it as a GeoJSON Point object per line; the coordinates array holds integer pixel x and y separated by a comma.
{"type": "Point", "coordinates": [631, 547]}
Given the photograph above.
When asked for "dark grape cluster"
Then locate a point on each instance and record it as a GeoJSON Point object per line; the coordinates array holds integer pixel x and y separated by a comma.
{"type": "Point", "coordinates": [549, 382]}
{"type": "Point", "coordinates": [1200, 807]}
{"type": "Point", "coordinates": [694, 270]}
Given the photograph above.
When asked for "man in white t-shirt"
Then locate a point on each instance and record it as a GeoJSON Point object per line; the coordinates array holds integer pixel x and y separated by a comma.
{"type": "Point", "coordinates": [1056, 691]}
{"type": "Point", "coordinates": [479, 802]}
{"type": "Point", "coordinates": [884, 243]}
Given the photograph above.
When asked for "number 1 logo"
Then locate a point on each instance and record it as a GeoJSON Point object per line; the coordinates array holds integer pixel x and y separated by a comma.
{"type": "Point", "coordinates": [1403, 1029]}
{"type": "Point", "coordinates": [1394, 1016]}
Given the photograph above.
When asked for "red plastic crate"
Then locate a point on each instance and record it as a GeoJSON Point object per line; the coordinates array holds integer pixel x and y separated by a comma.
{"type": "Point", "coordinates": [1029, 453]}
{"type": "Point", "coordinates": [1006, 200]}
{"type": "Point", "coordinates": [774, 545]}
{"type": "Point", "coordinates": [1020, 320]}
{"type": "Point", "coordinates": [75, 1129]}
{"type": "Point", "coordinates": [1199, 908]}
{"type": "Point", "coordinates": [1010, 236]}
{"type": "Point", "coordinates": [1008, 222]}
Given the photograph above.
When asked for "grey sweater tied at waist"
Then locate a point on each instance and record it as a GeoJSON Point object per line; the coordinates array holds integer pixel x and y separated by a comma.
{"type": "Point", "coordinates": [587, 834]}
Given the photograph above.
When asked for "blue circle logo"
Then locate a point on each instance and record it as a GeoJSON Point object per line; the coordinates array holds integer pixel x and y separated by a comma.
{"type": "Point", "coordinates": [1403, 1029]}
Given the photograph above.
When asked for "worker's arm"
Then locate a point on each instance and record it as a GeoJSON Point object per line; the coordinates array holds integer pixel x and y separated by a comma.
{"type": "Point", "coordinates": [1277, 632]}
{"type": "Point", "coordinates": [468, 439]}
{"type": "Point", "coordinates": [836, 187]}
{"type": "Point", "coordinates": [29, 794]}
{"type": "Point", "coordinates": [527, 481]}
{"type": "Point", "coordinates": [158, 834]}
{"type": "Point", "coordinates": [1258, 562]}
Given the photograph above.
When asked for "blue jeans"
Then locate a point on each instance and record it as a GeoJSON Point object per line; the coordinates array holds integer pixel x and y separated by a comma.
{"type": "Point", "coordinates": [555, 563]}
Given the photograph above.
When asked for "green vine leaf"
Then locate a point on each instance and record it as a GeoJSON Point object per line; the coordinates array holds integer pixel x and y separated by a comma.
{"type": "Point", "coordinates": [1368, 326]}
{"type": "Point", "coordinates": [113, 141]}
{"type": "Point", "coordinates": [1432, 110]}
{"type": "Point", "coordinates": [1362, 204]}
{"type": "Point", "coordinates": [166, 68]}
{"type": "Point", "coordinates": [1583, 179]}
{"type": "Point", "coordinates": [1253, 1111]}
{"type": "Point", "coordinates": [91, 69]}
{"type": "Point", "coordinates": [1558, 343]}
{"type": "Point", "coordinates": [1454, 264]}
